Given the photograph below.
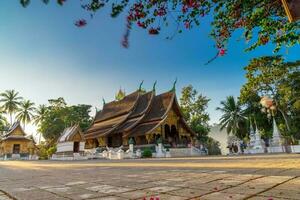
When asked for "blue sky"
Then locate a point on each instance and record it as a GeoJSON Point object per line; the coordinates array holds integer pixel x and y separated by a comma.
{"type": "Point", "coordinates": [43, 55]}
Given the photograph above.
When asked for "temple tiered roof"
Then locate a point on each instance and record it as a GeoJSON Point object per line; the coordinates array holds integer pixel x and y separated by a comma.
{"type": "Point", "coordinates": [69, 133]}
{"type": "Point", "coordinates": [136, 114]}
{"type": "Point", "coordinates": [15, 132]}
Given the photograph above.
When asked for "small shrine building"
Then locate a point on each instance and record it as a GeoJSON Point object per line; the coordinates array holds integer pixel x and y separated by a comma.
{"type": "Point", "coordinates": [15, 144]}
{"type": "Point", "coordinates": [71, 141]}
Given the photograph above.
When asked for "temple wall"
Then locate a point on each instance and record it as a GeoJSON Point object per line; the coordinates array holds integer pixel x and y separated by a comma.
{"type": "Point", "coordinates": [81, 146]}
{"type": "Point", "coordinates": [65, 146]}
{"type": "Point", "coordinates": [102, 141]}
{"type": "Point", "coordinates": [68, 147]}
{"type": "Point", "coordinates": [25, 146]}
{"type": "Point", "coordinates": [183, 131]}
{"type": "Point", "coordinates": [172, 119]}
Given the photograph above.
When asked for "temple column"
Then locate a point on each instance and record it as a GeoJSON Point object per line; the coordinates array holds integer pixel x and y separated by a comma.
{"type": "Point", "coordinates": [125, 141]}
{"type": "Point", "coordinates": [102, 141]}
{"type": "Point", "coordinates": [138, 140]}
{"type": "Point", "coordinates": [162, 131]}
{"type": "Point", "coordinates": [149, 138]}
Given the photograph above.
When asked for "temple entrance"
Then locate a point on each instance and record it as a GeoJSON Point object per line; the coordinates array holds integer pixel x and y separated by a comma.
{"type": "Point", "coordinates": [171, 135]}
{"type": "Point", "coordinates": [174, 135]}
{"type": "Point", "coordinates": [109, 141]}
{"type": "Point", "coordinates": [16, 149]}
{"type": "Point", "coordinates": [115, 140]}
{"type": "Point", "coordinates": [96, 143]}
{"type": "Point", "coordinates": [76, 147]}
{"type": "Point", "coordinates": [168, 133]}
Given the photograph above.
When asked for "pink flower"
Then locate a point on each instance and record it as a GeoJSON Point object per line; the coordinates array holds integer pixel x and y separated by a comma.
{"type": "Point", "coordinates": [141, 24]}
{"type": "Point", "coordinates": [187, 25]}
{"type": "Point", "coordinates": [154, 31]}
{"type": "Point", "coordinates": [80, 23]}
{"type": "Point", "coordinates": [222, 52]}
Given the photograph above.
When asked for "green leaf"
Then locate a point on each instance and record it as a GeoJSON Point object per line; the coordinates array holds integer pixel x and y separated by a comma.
{"type": "Point", "coordinates": [24, 3]}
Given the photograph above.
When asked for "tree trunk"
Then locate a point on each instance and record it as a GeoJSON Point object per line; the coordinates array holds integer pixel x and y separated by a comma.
{"type": "Point", "coordinates": [285, 119]}
{"type": "Point", "coordinates": [40, 138]}
{"type": "Point", "coordinates": [283, 115]}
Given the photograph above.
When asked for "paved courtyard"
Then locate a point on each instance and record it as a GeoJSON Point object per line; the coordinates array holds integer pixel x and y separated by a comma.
{"type": "Point", "coordinates": [266, 177]}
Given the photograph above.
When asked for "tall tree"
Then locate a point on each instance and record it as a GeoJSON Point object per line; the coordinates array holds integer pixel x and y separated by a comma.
{"type": "Point", "coordinates": [272, 76]}
{"type": "Point", "coordinates": [3, 122]}
{"type": "Point", "coordinates": [11, 101]}
{"type": "Point", "coordinates": [255, 116]}
{"type": "Point", "coordinates": [233, 118]}
{"type": "Point", "coordinates": [59, 115]}
{"type": "Point", "coordinates": [79, 114]}
{"type": "Point", "coordinates": [39, 117]}
{"type": "Point", "coordinates": [26, 112]}
{"type": "Point", "coordinates": [40, 114]}
{"type": "Point", "coordinates": [194, 107]}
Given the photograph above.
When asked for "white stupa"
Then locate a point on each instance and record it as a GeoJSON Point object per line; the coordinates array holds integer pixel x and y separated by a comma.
{"type": "Point", "coordinates": [276, 138]}
{"type": "Point", "coordinates": [276, 143]}
{"type": "Point", "coordinates": [256, 143]}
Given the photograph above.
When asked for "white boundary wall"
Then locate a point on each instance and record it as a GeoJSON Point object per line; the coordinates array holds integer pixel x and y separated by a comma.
{"type": "Point", "coordinates": [65, 147]}
{"type": "Point", "coordinates": [68, 146]}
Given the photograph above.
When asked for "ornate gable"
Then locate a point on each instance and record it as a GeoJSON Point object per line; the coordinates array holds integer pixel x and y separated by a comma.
{"type": "Point", "coordinates": [16, 130]}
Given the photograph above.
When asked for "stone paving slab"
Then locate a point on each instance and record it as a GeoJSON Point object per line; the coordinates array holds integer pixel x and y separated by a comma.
{"type": "Point", "coordinates": [266, 198]}
{"type": "Point", "coordinates": [36, 194]}
{"type": "Point", "coordinates": [277, 193]}
{"type": "Point", "coordinates": [168, 179]}
{"type": "Point", "coordinates": [138, 194]}
{"type": "Point", "coordinates": [189, 193]}
{"type": "Point", "coordinates": [223, 196]}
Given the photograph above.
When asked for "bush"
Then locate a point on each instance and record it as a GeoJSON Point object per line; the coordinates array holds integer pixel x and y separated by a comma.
{"type": "Point", "coordinates": [213, 147]}
{"type": "Point", "coordinates": [44, 152]}
{"type": "Point", "coordinates": [51, 151]}
{"type": "Point", "coordinates": [147, 153]}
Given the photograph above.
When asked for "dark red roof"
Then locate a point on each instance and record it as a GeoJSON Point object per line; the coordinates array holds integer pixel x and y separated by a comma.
{"type": "Point", "coordinates": [159, 106]}
{"type": "Point", "coordinates": [135, 114]}
{"type": "Point", "coordinates": [116, 108]}
{"type": "Point", "coordinates": [138, 112]}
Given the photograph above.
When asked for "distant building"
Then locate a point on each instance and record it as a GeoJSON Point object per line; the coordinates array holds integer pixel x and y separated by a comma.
{"type": "Point", "coordinates": [142, 116]}
{"type": "Point", "coordinates": [220, 136]}
{"type": "Point", "coordinates": [71, 141]}
{"type": "Point", "coordinates": [15, 144]}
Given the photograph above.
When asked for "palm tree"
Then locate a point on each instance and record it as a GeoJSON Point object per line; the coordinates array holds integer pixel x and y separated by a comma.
{"type": "Point", "coordinates": [40, 116]}
{"type": "Point", "coordinates": [3, 122]}
{"type": "Point", "coordinates": [25, 113]}
{"type": "Point", "coordinates": [11, 100]}
{"type": "Point", "coordinates": [233, 116]}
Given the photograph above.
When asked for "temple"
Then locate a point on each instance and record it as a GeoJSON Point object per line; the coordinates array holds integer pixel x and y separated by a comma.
{"type": "Point", "coordinates": [143, 116]}
{"type": "Point", "coordinates": [15, 144]}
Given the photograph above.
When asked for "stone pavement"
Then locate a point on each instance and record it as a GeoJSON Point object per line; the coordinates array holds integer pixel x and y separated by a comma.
{"type": "Point", "coordinates": [265, 177]}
